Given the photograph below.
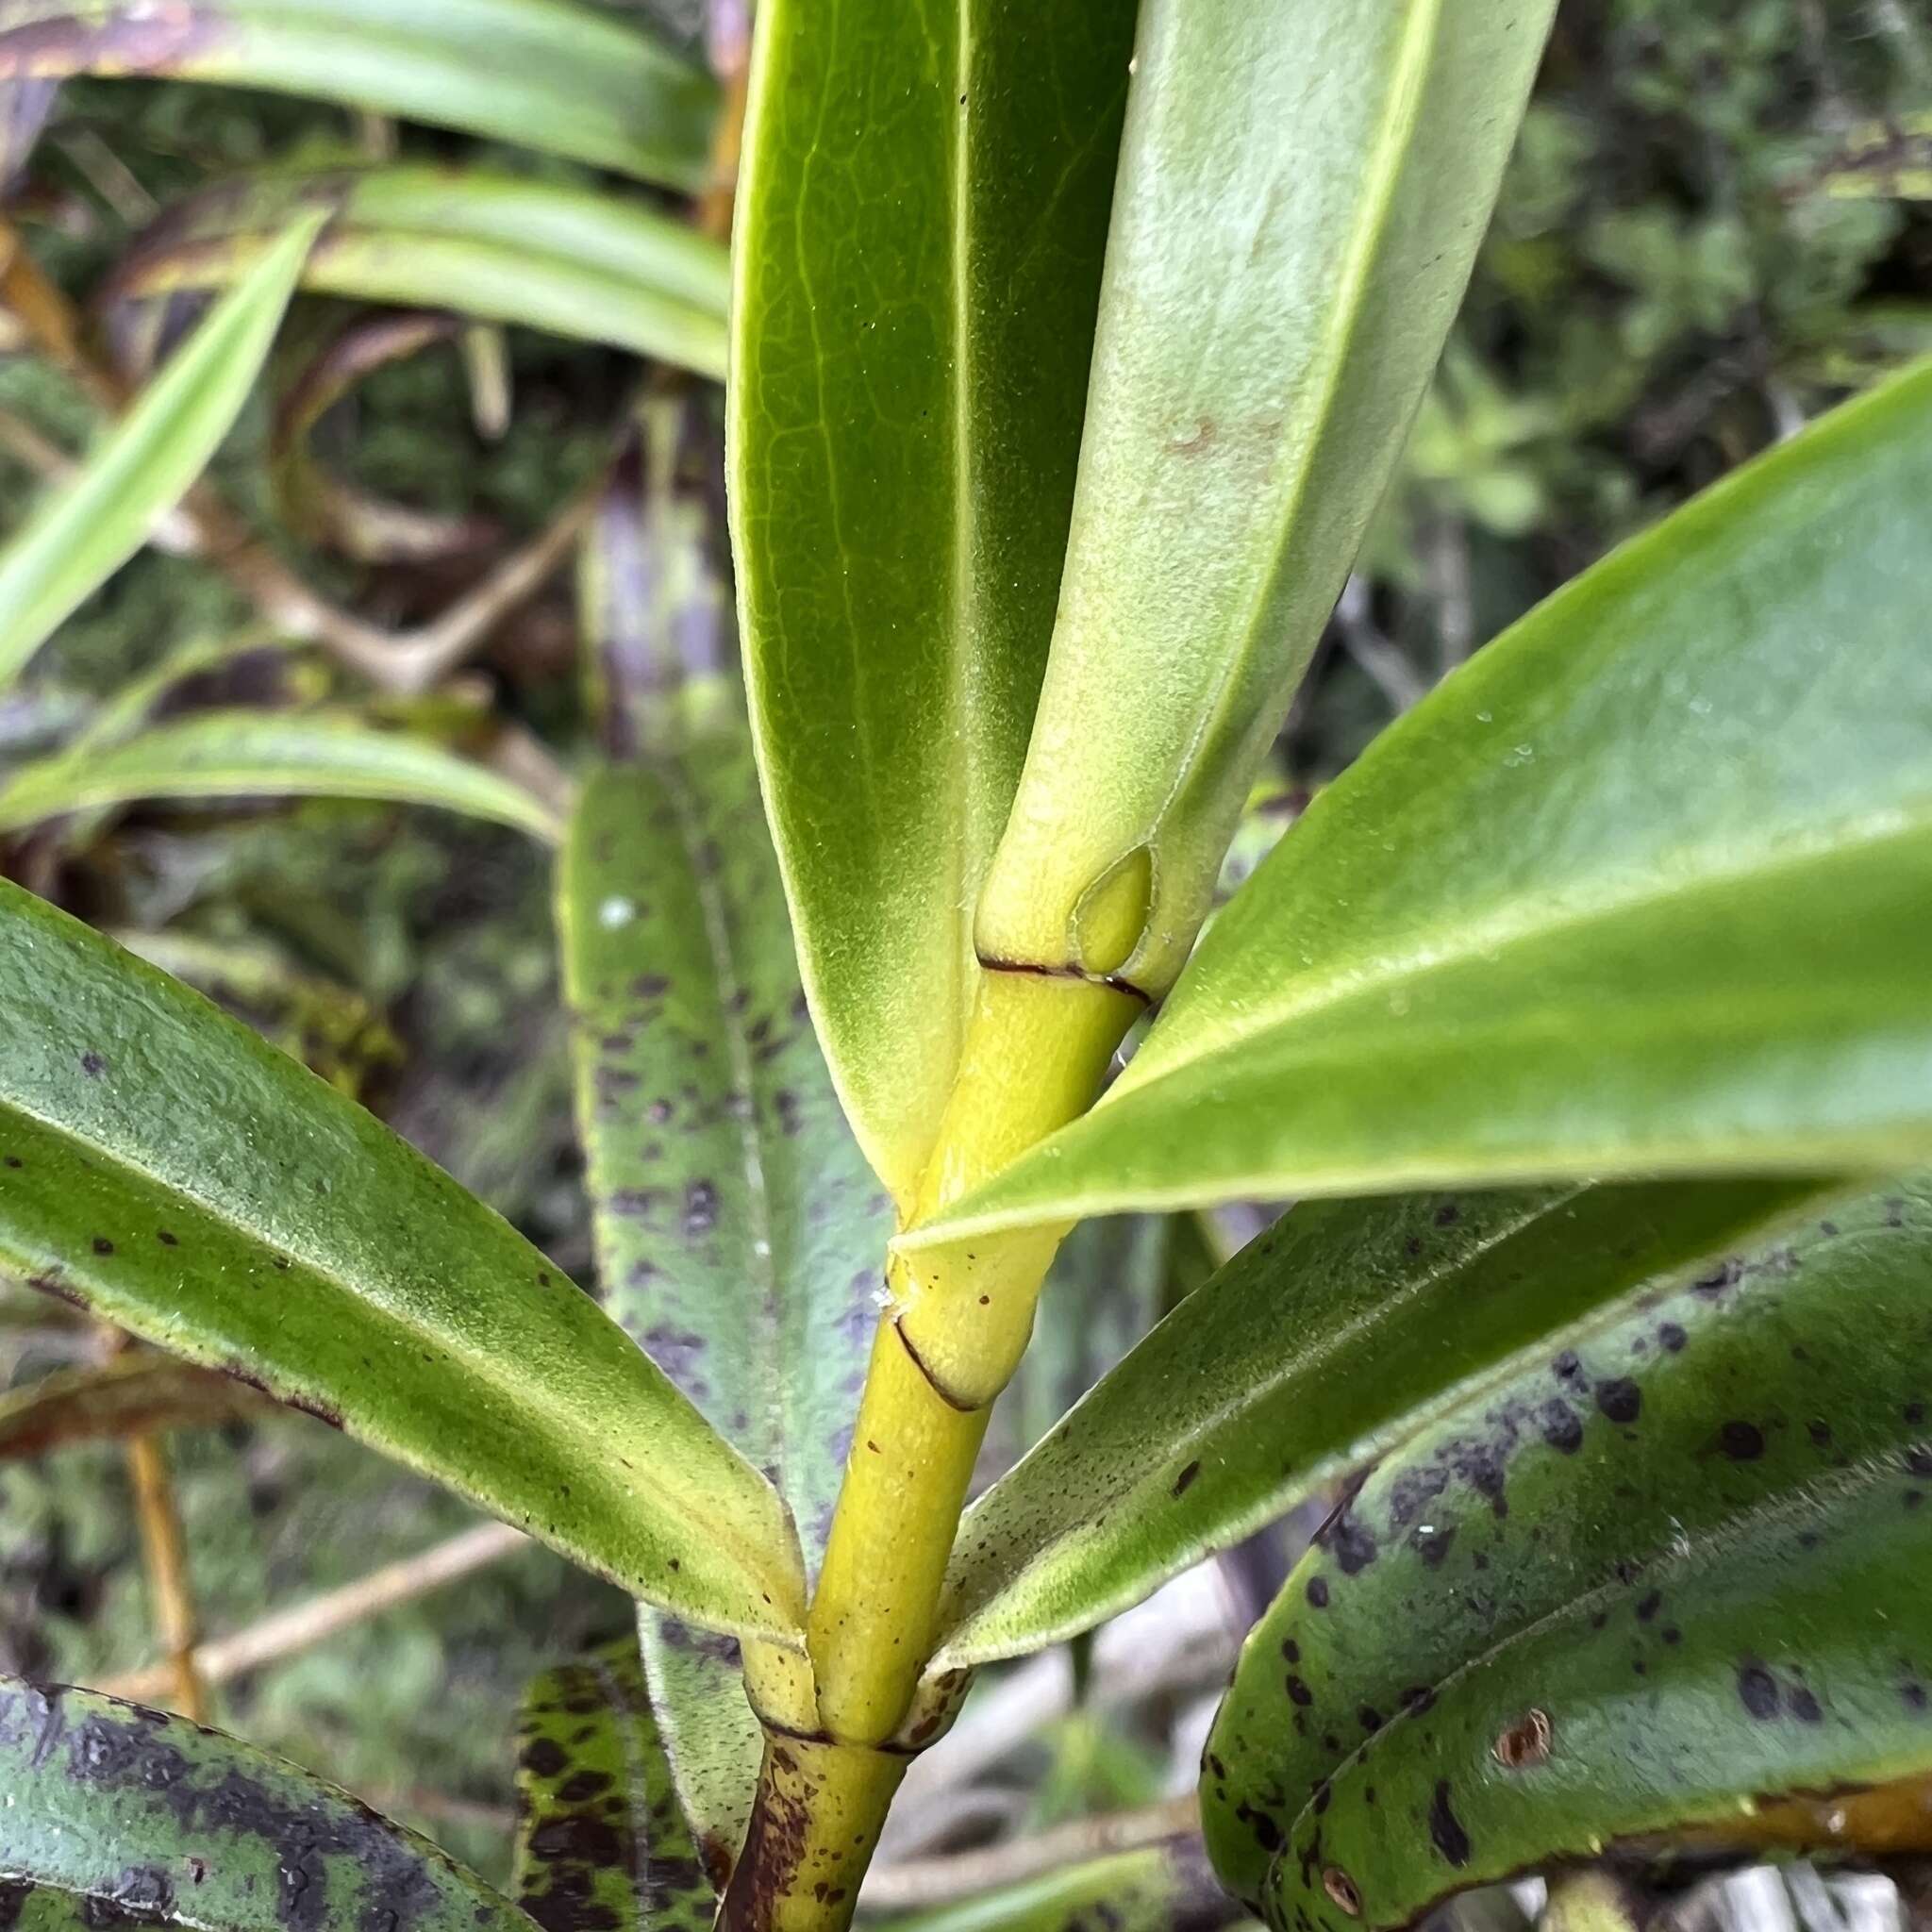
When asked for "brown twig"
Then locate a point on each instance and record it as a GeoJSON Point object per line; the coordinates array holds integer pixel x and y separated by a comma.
{"type": "Point", "coordinates": [923, 1882]}
{"type": "Point", "coordinates": [305, 1624]}
{"type": "Point", "coordinates": [165, 1552]}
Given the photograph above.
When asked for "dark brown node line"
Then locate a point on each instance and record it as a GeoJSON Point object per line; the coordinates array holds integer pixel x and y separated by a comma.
{"type": "Point", "coordinates": [1114, 980]}
{"type": "Point", "coordinates": [933, 1382]}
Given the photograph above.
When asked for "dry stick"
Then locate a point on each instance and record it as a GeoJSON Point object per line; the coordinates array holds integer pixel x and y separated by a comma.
{"type": "Point", "coordinates": [305, 1624]}
{"type": "Point", "coordinates": [165, 1552]}
{"type": "Point", "coordinates": [923, 1882]}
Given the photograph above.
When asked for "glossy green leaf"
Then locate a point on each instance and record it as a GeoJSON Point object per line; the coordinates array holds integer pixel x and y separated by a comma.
{"type": "Point", "coordinates": [600, 1842]}
{"type": "Point", "coordinates": [739, 1235]}
{"type": "Point", "coordinates": [239, 754]}
{"type": "Point", "coordinates": [165, 1167]}
{"type": "Point", "coordinates": [1344, 1328]}
{"type": "Point", "coordinates": [125, 1811]}
{"type": "Point", "coordinates": [130, 1394]}
{"type": "Point", "coordinates": [567, 78]}
{"type": "Point", "coordinates": [1676, 1565]}
{"type": "Point", "coordinates": [91, 526]}
{"type": "Point", "coordinates": [920, 220]}
{"type": "Point", "coordinates": [1161, 1887]}
{"type": "Point", "coordinates": [576, 261]}
{"type": "Point", "coordinates": [1640, 889]}
{"type": "Point", "coordinates": [1300, 202]}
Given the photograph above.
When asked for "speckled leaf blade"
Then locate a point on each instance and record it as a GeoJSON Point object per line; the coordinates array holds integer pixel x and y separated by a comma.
{"type": "Point", "coordinates": [1640, 889]}
{"type": "Point", "coordinates": [1688, 1542]}
{"type": "Point", "coordinates": [1161, 1887]}
{"type": "Point", "coordinates": [131, 1812]}
{"type": "Point", "coordinates": [237, 754]}
{"type": "Point", "coordinates": [920, 220]}
{"type": "Point", "coordinates": [134, 1392]}
{"type": "Point", "coordinates": [601, 1845]}
{"type": "Point", "coordinates": [163, 1165]}
{"type": "Point", "coordinates": [88, 527]}
{"type": "Point", "coordinates": [545, 73]}
{"type": "Point", "coordinates": [1301, 197]}
{"type": "Point", "coordinates": [576, 261]}
{"type": "Point", "coordinates": [1347, 1327]}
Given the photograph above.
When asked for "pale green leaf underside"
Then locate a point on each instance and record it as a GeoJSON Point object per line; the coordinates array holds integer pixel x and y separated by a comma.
{"type": "Point", "coordinates": [1694, 1541]}
{"type": "Point", "coordinates": [86, 529]}
{"type": "Point", "coordinates": [238, 754]}
{"type": "Point", "coordinates": [572, 261]}
{"type": "Point", "coordinates": [1346, 1328]}
{"type": "Point", "coordinates": [161, 1164]}
{"type": "Point", "coordinates": [545, 73]}
{"type": "Point", "coordinates": [149, 1819]}
{"type": "Point", "coordinates": [1641, 888]}
{"type": "Point", "coordinates": [920, 225]}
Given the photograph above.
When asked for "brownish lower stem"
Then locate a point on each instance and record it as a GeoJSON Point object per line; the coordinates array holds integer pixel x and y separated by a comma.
{"type": "Point", "coordinates": [164, 1551]}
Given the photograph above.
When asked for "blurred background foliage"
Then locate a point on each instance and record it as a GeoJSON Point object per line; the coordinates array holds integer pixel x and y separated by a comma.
{"type": "Point", "coordinates": [1717, 221]}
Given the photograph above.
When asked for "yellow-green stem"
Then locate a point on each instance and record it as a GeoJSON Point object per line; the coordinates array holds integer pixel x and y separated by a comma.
{"type": "Point", "coordinates": [1036, 1050]}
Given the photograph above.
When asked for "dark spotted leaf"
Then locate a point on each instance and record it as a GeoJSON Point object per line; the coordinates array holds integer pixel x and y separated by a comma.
{"type": "Point", "coordinates": [1639, 891]}
{"type": "Point", "coordinates": [1161, 1887]}
{"type": "Point", "coordinates": [548, 74]}
{"type": "Point", "coordinates": [1665, 1575]}
{"type": "Point", "coordinates": [739, 1232]}
{"type": "Point", "coordinates": [86, 530]}
{"type": "Point", "coordinates": [132, 1392]}
{"type": "Point", "coordinates": [1342, 1329]}
{"type": "Point", "coordinates": [601, 1844]}
{"type": "Point", "coordinates": [576, 261]}
{"type": "Point", "coordinates": [920, 222]}
{"type": "Point", "coordinates": [164, 1166]}
{"type": "Point", "coordinates": [239, 754]}
{"type": "Point", "coordinates": [114, 1814]}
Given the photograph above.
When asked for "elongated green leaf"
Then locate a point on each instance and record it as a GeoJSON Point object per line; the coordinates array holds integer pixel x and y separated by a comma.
{"type": "Point", "coordinates": [1163, 1887]}
{"type": "Point", "coordinates": [739, 1236]}
{"type": "Point", "coordinates": [1642, 888]}
{"type": "Point", "coordinates": [84, 532]}
{"type": "Point", "coordinates": [601, 1845]}
{"type": "Point", "coordinates": [1677, 1564]}
{"type": "Point", "coordinates": [548, 74]}
{"type": "Point", "coordinates": [116, 1807]}
{"type": "Point", "coordinates": [163, 1165]}
{"type": "Point", "coordinates": [573, 260]}
{"type": "Point", "coordinates": [1300, 202]}
{"type": "Point", "coordinates": [235, 754]}
{"type": "Point", "coordinates": [129, 1393]}
{"type": "Point", "coordinates": [920, 222]}
{"type": "Point", "coordinates": [1344, 1329]}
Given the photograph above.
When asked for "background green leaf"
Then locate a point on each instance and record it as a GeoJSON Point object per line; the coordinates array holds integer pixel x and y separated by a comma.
{"type": "Point", "coordinates": [1691, 1542]}
{"type": "Point", "coordinates": [1641, 887]}
{"type": "Point", "coordinates": [88, 530]}
{"type": "Point", "coordinates": [165, 1167]}
{"type": "Point", "coordinates": [1300, 202]}
{"type": "Point", "coordinates": [233, 754]}
{"type": "Point", "coordinates": [1344, 1328]}
{"type": "Point", "coordinates": [600, 1841]}
{"type": "Point", "coordinates": [920, 226]}
{"type": "Point", "coordinates": [125, 1810]}
{"type": "Point", "coordinates": [576, 261]}
{"type": "Point", "coordinates": [545, 73]}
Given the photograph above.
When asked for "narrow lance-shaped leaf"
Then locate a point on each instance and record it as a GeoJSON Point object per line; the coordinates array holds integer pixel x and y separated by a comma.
{"type": "Point", "coordinates": [738, 1233]}
{"type": "Point", "coordinates": [920, 220]}
{"type": "Point", "coordinates": [165, 1167]}
{"type": "Point", "coordinates": [573, 260]}
{"type": "Point", "coordinates": [1640, 889]}
{"type": "Point", "coordinates": [129, 1816]}
{"type": "Point", "coordinates": [601, 1845]}
{"type": "Point", "coordinates": [1300, 201]}
{"type": "Point", "coordinates": [1347, 1327]}
{"type": "Point", "coordinates": [1661, 1577]}
{"type": "Point", "coordinates": [236, 753]}
{"type": "Point", "coordinates": [546, 74]}
{"type": "Point", "coordinates": [88, 529]}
